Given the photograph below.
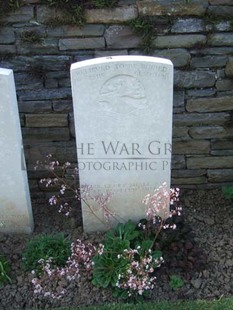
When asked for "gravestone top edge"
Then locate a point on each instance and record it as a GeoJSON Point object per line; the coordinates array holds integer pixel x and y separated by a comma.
{"type": "Point", "coordinates": [111, 59]}
{"type": "Point", "coordinates": [4, 71]}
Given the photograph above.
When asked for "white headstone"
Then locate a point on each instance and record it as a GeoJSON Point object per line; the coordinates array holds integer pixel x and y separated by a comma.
{"type": "Point", "coordinates": [123, 125]}
{"type": "Point", "coordinates": [15, 204]}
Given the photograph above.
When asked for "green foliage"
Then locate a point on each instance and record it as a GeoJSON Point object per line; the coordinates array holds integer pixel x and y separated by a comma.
{"type": "Point", "coordinates": [73, 12]}
{"type": "Point", "coordinates": [144, 26]}
{"type": "Point", "coordinates": [228, 192]}
{"type": "Point", "coordinates": [122, 245]}
{"type": "Point", "coordinates": [54, 246]}
{"type": "Point", "coordinates": [105, 3]}
{"type": "Point", "coordinates": [32, 36]}
{"type": "Point", "coordinates": [176, 282]}
{"type": "Point", "coordinates": [4, 271]}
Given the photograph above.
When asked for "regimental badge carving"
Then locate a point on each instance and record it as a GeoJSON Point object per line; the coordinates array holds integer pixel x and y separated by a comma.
{"type": "Point", "coordinates": [122, 94]}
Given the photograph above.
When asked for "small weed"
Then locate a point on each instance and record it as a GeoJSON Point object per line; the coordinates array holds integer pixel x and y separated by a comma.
{"type": "Point", "coordinates": [55, 247]}
{"type": "Point", "coordinates": [32, 36]}
{"type": "Point", "coordinates": [105, 3]}
{"type": "Point", "coordinates": [176, 282]}
{"type": "Point", "coordinates": [228, 192]}
{"type": "Point", "coordinates": [144, 26]}
{"type": "Point", "coordinates": [4, 271]}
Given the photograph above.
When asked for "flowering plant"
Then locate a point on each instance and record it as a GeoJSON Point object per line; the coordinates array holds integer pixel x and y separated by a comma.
{"type": "Point", "coordinates": [129, 255]}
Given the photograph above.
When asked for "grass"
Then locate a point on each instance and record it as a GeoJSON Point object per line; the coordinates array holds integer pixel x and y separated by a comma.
{"type": "Point", "coordinates": [220, 304]}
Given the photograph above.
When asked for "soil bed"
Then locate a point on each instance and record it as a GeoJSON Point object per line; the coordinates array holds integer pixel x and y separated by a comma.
{"type": "Point", "coordinates": [204, 261]}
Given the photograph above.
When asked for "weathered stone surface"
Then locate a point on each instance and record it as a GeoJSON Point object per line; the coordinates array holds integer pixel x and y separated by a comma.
{"type": "Point", "coordinates": [198, 119]}
{"type": "Point", "coordinates": [7, 35]}
{"type": "Point", "coordinates": [23, 81]}
{"type": "Point", "coordinates": [48, 46]}
{"type": "Point", "coordinates": [180, 8]}
{"type": "Point", "coordinates": [107, 16]}
{"type": "Point", "coordinates": [222, 144]}
{"type": "Point", "coordinates": [224, 11]}
{"type": "Point", "coordinates": [81, 43]}
{"type": "Point", "coordinates": [50, 83]}
{"type": "Point", "coordinates": [191, 147]}
{"type": "Point", "coordinates": [221, 39]}
{"type": "Point", "coordinates": [46, 134]}
{"type": "Point", "coordinates": [186, 180]}
{"type": "Point", "coordinates": [62, 105]}
{"type": "Point", "coordinates": [221, 2]}
{"type": "Point", "coordinates": [64, 83]}
{"type": "Point", "coordinates": [46, 94]}
{"type": "Point", "coordinates": [22, 120]}
{"type": "Point", "coordinates": [46, 120]}
{"type": "Point", "coordinates": [178, 102]}
{"type": "Point", "coordinates": [106, 53]}
{"type": "Point", "coordinates": [119, 37]}
{"type": "Point", "coordinates": [35, 106]}
{"type": "Point", "coordinates": [7, 49]}
{"type": "Point", "coordinates": [211, 162]}
{"type": "Point", "coordinates": [207, 92]}
{"type": "Point", "coordinates": [223, 175]}
{"type": "Point", "coordinates": [178, 162]}
{"type": "Point", "coordinates": [221, 152]}
{"type": "Point", "coordinates": [213, 51]}
{"type": "Point", "coordinates": [223, 26]}
{"type": "Point", "coordinates": [179, 41]}
{"type": "Point", "coordinates": [190, 25]}
{"type": "Point", "coordinates": [71, 124]}
{"type": "Point", "coordinates": [194, 79]}
{"type": "Point", "coordinates": [75, 31]}
{"type": "Point", "coordinates": [188, 173]}
{"type": "Point", "coordinates": [180, 57]}
{"type": "Point", "coordinates": [224, 84]}
{"type": "Point", "coordinates": [180, 132]}
{"type": "Point", "coordinates": [23, 14]}
{"type": "Point", "coordinates": [229, 67]}
{"type": "Point", "coordinates": [45, 13]}
{"type": "Point", "coordinates": [210, 132]}
{"type": "Point", "coordinates": [208, 62]}
{"type": "Point", "coordinates": [217, 104]}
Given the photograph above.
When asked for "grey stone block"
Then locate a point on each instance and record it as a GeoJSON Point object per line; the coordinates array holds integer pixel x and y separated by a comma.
{"type": "Point", "coordinates": [81, 43]}
{"type": "Point", "coordinates": [224, 84]}
{"type": "Point", "coordinates": [75, 31]}
{"type": "Point", "coordinates": [178, 162]}
{"type": "Point", "coordinates": [207, 92]}
{"type": "Point", "coordinates": [180, 57]}
{"type": "Point", "coordinates": [209, 62]}
{"type": "Point", "coordinates": [22, 14]}
{"type": "Point", "coordinates": [224, 11]}
{"type": "Point", "coordinates": [211, 132]}
{"type": "Point", "coordinates": [45, 94]}
{"type": "Point", "coordinates": [31, 135]}
{"type": "Point", "coordinates": [178, 102]}
{"type": "Point", "coordinates": [106, 53]}
{"type": "Point", "coordinates": [216, 104]}
{"type": "Point", "coordinates": [229, 67]}
{"type": "Point", "coordinates": [47, 120]}
{"type": "Point", "coordinates": [179, 41]}
{"type": "Point", "coordinates": [180, 132]}
{"type": "Point", "coordinates": [212, 162]}
{"type": "Point", "coordinates": [190, 180]}
{"type": "Point", "coordinates": [188, 173]}
{"type": "Point", "coordinates": [191, 147]}
{"type": "Point", "coordinates": [62, 105]}
{"type": "Point", "coordinates": [35, 106]}
{"type": "Point", "coordinates": [194, 79]}
{"type": "Point", "coordinates": [179, 7]}
{"type": "Point", "coordinates": [7, 35]}
{"type": "Point", "coordinates": [120, 36]}
{"type": "Point", "coordinates": [223, 175]}
{"type": "Point", "coordinates": [220, 39]}
{"type": "Point", "coordinates": [7, 49]}
{"type": "Point", "coordinates": [47, 46]}
{"type": "Point", "coordinates": [110, 16]}
{"type": "Point", "coordinates": [222, 144]}
{"type": "Point", "coordinates": [221, 2]}
{"type": "Point", "coordinates": [188, 25]}
{"type": "Point", "coordinates": [198, 119]}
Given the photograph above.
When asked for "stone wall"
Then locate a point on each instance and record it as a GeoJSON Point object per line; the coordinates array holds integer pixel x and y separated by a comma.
{"type": "Point", "coordinates": [197, 35]}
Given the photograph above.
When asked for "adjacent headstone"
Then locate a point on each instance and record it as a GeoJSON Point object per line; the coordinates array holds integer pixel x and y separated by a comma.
{"type": "Point", "coordinates": [15, 204]}
{"type": "Point", "coordinates": [123, 124]}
